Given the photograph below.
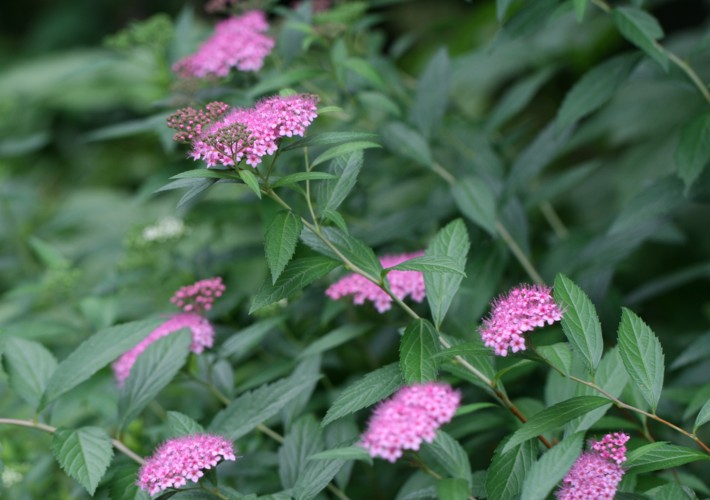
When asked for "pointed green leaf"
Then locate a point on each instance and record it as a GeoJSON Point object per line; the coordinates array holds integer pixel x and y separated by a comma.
{"type": "Point", "coordinates": [333, 339]}
{"type": "Point", "coordinates": [431, 263]}
{"type": "Point", "coordinates": [182, 425]}
{"type": "Point", "coordinates": [364, 69]}
{"type": "Point", "coordinates": [346, 453]}
{"type": "Point", "coordinates": [416, 352]}
{"type": "Point", "coordinates": [280, 241]}
{"type": "Point", "coordinates": [452, 489]}
{"type": "Point", "coordinates": [297, 275]}
{"type": "Point", "coordinates": [330, 138]}
{"type": "Point", "coordinates": [345, 169]}
{"type": "Point", "coordinates": [642, 29]}
{"type": "Point", "coordinates": [671, 491]}
{"type": "Point", "coordinates": [580, 322]}
{"type": "Point", "coordinates": [336, 219]}
{"type": "Point", "coordinates": [660, 455]}
{"type": "Point", "coordinates": [84, 454]}
{"type": "Point", "coordinates": [558, 355]}
{"type": "Point", "coordinates": [407, 142]}
{"type": "Point", "coordinates": [693, 151]}
{"type": "Point", "coordinates": [304, 439]}
{"type": "Point", "coordinates": [95, 353]}
{"type": "Point", "coordinates": [432, 95]}
{"type": "Point", "coordinates": [476, 200]}
{"type": "Point", "coordinates": [595, 88]}
{"type": "Point", "coordinates": [553, 418]}
{"type": "Point", "coordinates": [465, 349]}
{"type": "Point", "coordinates": [207, 173]}
{"type": "Point", "coordinates": [372, 388]}
{"type": "Point", "coordinates": [244, 341]}
{"type": "Point", "coordinates": [352, 248]}
{"type": "Point", "coordinates": [703, 417]}
{"type": "Point", "coordinates": [290, 179]}
{"type": "Point", "coordinates": [449, 455]}
{"type": "Point", "coordinates": [342, 150]}
{"type": "Point", "coordinates": [552, 467]}
{"type": "Point", "coordinates": [123, 484]}
{"type": "Point", "coordinates": [642, 355]}
{"type": "Point", "coordinates": [251, 181]}
{"type": "Point", "coordinates": [508, 471]}
{"type": "Point", "coordinates": [315, 478]}
{"type": "Point", "coordinates": [517, 98]}
{"type": "Point", "coordinates": [29, 365]}
{"type": "Point", "coordinates": [451, 241]}
{"type": "Point", "coordinates": [196, 191]}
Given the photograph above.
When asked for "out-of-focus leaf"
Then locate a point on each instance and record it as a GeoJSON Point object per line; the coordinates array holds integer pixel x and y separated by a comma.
{"type": "Point", "coordinates": [408, 143]}
{"type": "Point", "coordinates": [642, 29]}
{"type": "Point", "coordinates": [343, 150]}
{"type": "Point", "coordinates": [330, 138]}
{"type": "Point", "coordinates": [333, 339]}
{"type": "Point", "coordinates": [29, 366]}
{"type": "Point", "coordinates": [432, 94]}
{"type": "Point", "coordinates": [517, 97]}
{"type": "Point", "coordinates": [476, 201]}
{"type": "Point", "coordinates": [693, 151]}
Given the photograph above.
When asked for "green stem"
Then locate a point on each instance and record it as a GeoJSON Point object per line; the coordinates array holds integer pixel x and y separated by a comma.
{"type": "Point", "coordinates": [554, 220]}
{"type": "Point", "coordinates": [308, 188]}
{"type": "Point", "coordinates": [48, 428]}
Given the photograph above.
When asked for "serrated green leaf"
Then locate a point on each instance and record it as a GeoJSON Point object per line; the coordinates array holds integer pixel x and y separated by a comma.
{"type": "Point", "coordinates": [508, 471]}
{"type": "Point", "coordinates": [252, 408]}
{"type": "Point", "coordinates": [476, 201]}
{"type": "Point", "coordinates": [352, 248]}
{"type": "Point", "coordinates": [517, 98]}
{"type": "Point", "coordinates": [152, 371]}
{"type": "Point", "coordinates": [642, 355]}
{"type": "Point", "coordinates": [372, 388]}
{"type": "Point", "coordinates": [693, 151]}
{"type": "Point", "coordinates": [642, 29]}
{"type": "Point", "coordinates": [342, 150]}
{"type": "Point", "coordinates": [551, 467]}
{"type": "Point", "coordinates": [95, 353]}
{"type": "Point", "coordinates": [451, 241]}
{"type": "Point", "coordinates": [290, 179]}
{"type": "Point", "coordinates": [417, 348]}
{"type": "Point", "coordinates": [432, 95]}
{"type": "Point", "coordinates": [346, 453]}
{"type": "Point", "coordinates": [123, 484]}
{"type": "Point", "coordinates": [182, 425]}
{"type": "Point", "coordinates": [196, 191]}
{"type": "Point", "coordinates": [553, 418]}
{"type": "Point", "coordinates": [595, 88]}
{"type": "Point", "coordinates": [465, 349]}
{"type": "Point", "coordinates": [29, 365]}
{"type": "Point", "coordinates": [346, 170]}
{"type": "Point", "coordinates": [448, 454]}
{"type": "Point", "coordinates": [329, 138]}
{"type": "Point", "coordinates": [407, 142]}
{"type": "Point", "coordinates": [333, 339]}
{"type": "Point", "coordinates": [315, 478]}
{"type": "Point", "coordinates": [336, 219]}
{"type": "Point", "coordinates": [473, 407]}
{"type": "Point", "coordinates": [703, 417]}
{"type": "Point", "coordinates": [671, 491]}
{"type": "Point", "coordinates": [558, 355]}
{"type": "Point", "coordinates": [297, 275]}
{"type": "Point", "coordinates": [431, 263]}
{"type": "Point", "coordinates": [580, 322]}
{"type": "Point", "coordinates": [304, 439]}
{"type": "Point", "coordinates": [452, 489]}
{"type": "Point", "coordinates": [251, 181]}
{"type": "Point", "coordinates": [207, 173]}
{"type": "Point", "coordinates": [280, 241]}
{"type": "Point", "coordinates": [241, 343]}
{"type": "Point", "coordinates": [84, 454]}
{"type": "Point", "coordinates": [660, 455]}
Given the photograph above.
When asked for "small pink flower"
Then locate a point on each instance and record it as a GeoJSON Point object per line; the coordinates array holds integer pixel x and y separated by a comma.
{"type": "Point", "coordinates": [237, 42]}
{"type": "Point", "coordinates": [402, 284]}
{"type": "Point", "coordinates": [411, 416]}
{"type": "Point", "coordinates": [181, 459]}
{"type": "Point", "coordinates": [596, 473]}
{"type": "Point", "coordinates": [523, 309]}
{"type": "Point", "coordinates": [199, 296]}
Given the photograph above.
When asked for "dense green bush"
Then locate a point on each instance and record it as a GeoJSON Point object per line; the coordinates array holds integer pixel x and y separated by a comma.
{"type": "Point", "coordinates": [518, 141]}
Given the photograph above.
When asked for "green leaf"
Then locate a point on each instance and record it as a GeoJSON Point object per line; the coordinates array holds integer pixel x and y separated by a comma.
{"type": "Point", "coordinates": [642, 355]}
{"type": "Point", "coordinates": [508, 470]}
{"type": "Point", "coordinates": [558, 355]}
{"type": "Point", "coordinates": [252, 408]}
{"type": "Point", "coordinates": [330, 138]}
{"type": "Point", "coordinates": [346, 171]}
{"type": "Point", "coordinates": [693, 151]}
{"type": "Point", "coordinates": [251, 181]}
{"type": "Point", "coordinates": [476, 200]}
{"type": "Point", "coordinates": [207, 173]}
{"type": "Point", "coordinates": [123, 484]}
{"type": "Point", "coordinates": [352, 248]}
{"type": "Point", "coordinates": [84, 454]}
{"type": "Point", "coordinates": [298, 274]}
{"type": "Point", "coordinates": [452, 489]}
{"type": "Point", "coordinates": [407, 142]}
{"type": "Point", "coordinates": [342, 150]}
{"type": "Point", "coordinates": [553, 418]}
{"type": "Point", "coordinates": [703, 417]}
{"type": "Point", "coordinates": [642, 29]}
{"type": "Point", "coordinates": [196, 191]}
{"type": "Point", "coordinates": [660, 455]}
{"type": "Point", "coordinates": [290, 179]}
{"type": "Point", "coordinates": [282, 79]}
{"type": "Point", "coordinates": [502, 8]}
{"type": "Point", "coordinates": [304, 438]}
{"type": "Point", "coordinates": [280, 241]}
{"type": "Point", "coordinates": [335, 218]}
{"type": "Point", "coordinates": [434, 264]}
{"type": "Point", "coordinates": [315, 478]}
{"type": "Point", "coordinates": [346, 453]}
{"type": "Point", "coordinates": [365, 70]}
{"type": "Point", "coordinates": [473, 407]}
{"type": "Point", "coordinates": [418, 346]}
{"type": "Point", "coordinates": [517, 98]}
{"type": "Point", "coordinates": [580, 7]}
{"type": "Point", "coordinates": [465, 349]}
{"type": "Point", "coordinates": [449, 454]}
{"type": "Point", "coordinates": [182, 425]}
{"type": "Point", "coordinates": [152, 371]}
{"type": "Point", "coordinates": [372, 388]}
{"type": "Point", "coordinates": [451, 241]}
{"type": "Point", "coordinates": [241, 343]}
{"type": "Point", "coordinates": [432, 96]}
{"type": "Point", "coordinates": [29, 365]}
{"type": "Point", "coordinates": [671, 491]}
{"type": "Point", "coordinates": [95, 353]}
{"type": "Point", "coordinates": [595, 88]}
{"type": "Point", "coordinates": [580, 322]}
{"type": "Point", "coordinates": [552, 467]}
{"type": "Point", "coordinates": [333, 339]}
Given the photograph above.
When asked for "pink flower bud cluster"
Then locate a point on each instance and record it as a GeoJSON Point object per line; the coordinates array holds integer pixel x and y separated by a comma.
{"type": "Point", "coordinates": [247, 133]}
{"type": "Point", "coordinates": [237, 42]}
{"type": "Point", "coordinates": [190, 122]}
{"type": "Point", "coordinates": [181, 459]}
{"type": "Point", "coordinates": [199, 296]}
{"type": "Point", "coordinates": [411, 416]}
{"type": "Point", "coordinates": [597, 472]}
{"type": "Point", "coordinates": [402, 284]}
{"type": "Point", "coordinates": [523, 309]}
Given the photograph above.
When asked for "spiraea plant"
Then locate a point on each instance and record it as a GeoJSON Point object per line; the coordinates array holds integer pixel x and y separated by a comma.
{"type": "Point", "coordinates": [415, 268]}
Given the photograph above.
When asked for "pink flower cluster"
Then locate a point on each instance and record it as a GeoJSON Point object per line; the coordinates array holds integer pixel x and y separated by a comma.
{"type": "Point", "coordinates": [237, 42]}
{"type": "Point", "coordinates": [199, 296]}
{"type": "Point", "coordinates": [523, 309]}
{"type": "Point", "coordinates": [411, 416]}
{"type": "Point", "coordinates": [193, 299]}
{"type": "Point", "coordinates": [402, 284]}
{"type": "Point", "coordinates": [597, 472]}
{"type": "Point", "coordinates": [244, 133]}
{"type": "Point", "coordinates": [181, 459]}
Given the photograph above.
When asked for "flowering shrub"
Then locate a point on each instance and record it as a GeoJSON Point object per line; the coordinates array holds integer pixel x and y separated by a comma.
{"type": "Point", "coordinates": [379, 259]}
